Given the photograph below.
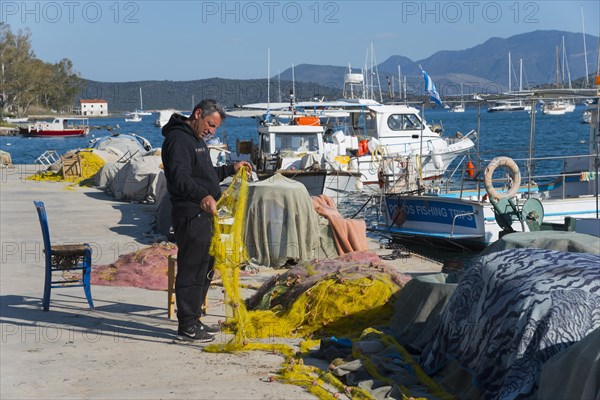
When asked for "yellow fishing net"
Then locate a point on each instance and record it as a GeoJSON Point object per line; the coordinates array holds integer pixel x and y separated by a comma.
{"type": "Point", "coordinates": [309, 301]}
{"type": "Point", "coordinates": [90, 164]}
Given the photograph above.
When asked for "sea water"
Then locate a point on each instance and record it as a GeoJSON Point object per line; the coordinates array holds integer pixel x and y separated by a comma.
{"type": "Point", "coordinates": [500, 134]}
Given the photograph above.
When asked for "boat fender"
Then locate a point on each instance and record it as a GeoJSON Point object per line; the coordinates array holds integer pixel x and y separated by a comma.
{"type": "Point", "coordinates": [470, 169]}
{"type": "Point", "coordinates": [380, 180]}
{"type": "Point", "coordinates": [512, 166]}
{"type": "Point", "coordinates": [363, 148]}
{"type": "Point", "coordinates": [438, 162]}
{"type": "Point", "coordinates": [353, 164]}
{"type": "Point", "coordinates": [373, 144]}
{"type": "Point", "coordinates": [399, 216]}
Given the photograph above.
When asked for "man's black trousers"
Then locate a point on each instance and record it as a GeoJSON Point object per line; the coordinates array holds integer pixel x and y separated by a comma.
{"type": "Point", "coordinates": [194, 266]}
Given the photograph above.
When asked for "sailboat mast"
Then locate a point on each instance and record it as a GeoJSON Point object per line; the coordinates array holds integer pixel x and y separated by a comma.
{"type": "Point", "coordinates": [399, 82]}
{"type": "Point", "coordinates": [141, 102]}
{"type": "Point", "coordinates": [278, 85]}
{"type": "Point", "coordinates": [557, 68]}
{"type": "Point", "coordinates": [563, 61]}
{"type": "Point", "coordinates": [509, 74]}
{"type": "Point", "coordinates": [587, 73]}
{"type": "Point", "coordinates": [520, 74]}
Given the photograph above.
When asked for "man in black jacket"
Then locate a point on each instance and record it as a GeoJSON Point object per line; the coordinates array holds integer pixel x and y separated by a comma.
{"type": "Point", "coordinates": [193, 184]}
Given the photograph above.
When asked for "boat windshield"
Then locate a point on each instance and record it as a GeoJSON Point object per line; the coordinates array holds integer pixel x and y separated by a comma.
{"type": "Point", "coordinates": [399, 122]}
{"type": "Point", "coordinates": [294, 142]}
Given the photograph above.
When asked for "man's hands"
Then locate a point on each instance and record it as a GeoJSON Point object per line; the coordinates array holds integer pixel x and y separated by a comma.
{"type": "Point", "coordinates": [209, 205]}
{"type": "Point", "coordinates": [240, 164]}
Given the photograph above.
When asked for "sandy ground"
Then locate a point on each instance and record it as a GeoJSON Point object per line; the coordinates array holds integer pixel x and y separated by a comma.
{"type": "Point", "coordinates": [124, 348]}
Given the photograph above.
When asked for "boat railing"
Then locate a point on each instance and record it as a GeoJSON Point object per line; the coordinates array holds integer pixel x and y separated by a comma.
{"type": "Point", "coordinates": [551, 182]}
{"type": "Point", "coordinates": [461, 215]}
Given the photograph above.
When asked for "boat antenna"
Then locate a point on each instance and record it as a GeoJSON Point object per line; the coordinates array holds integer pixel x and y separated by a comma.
{"type": "Point", "coordinates": [587, 73]}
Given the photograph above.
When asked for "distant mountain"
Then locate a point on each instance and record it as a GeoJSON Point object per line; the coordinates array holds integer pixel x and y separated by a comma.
{"type": "Point", "coordinates": [483, 68]}
{"type": "Point", "coordinates": [181, 95]}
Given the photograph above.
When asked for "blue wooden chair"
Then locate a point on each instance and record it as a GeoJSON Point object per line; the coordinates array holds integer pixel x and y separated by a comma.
{"type": "Point", "coordinates": [64, 258]}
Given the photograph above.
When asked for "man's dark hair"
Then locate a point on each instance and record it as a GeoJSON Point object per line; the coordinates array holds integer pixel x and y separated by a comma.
{"type": "Point", "coordinates": [209, 106]}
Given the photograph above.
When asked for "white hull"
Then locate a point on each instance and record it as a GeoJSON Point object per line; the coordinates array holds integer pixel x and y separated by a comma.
{"type": "Point", "coordinates": [470, 222]}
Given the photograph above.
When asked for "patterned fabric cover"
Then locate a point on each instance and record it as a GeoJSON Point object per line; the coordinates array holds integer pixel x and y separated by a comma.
{"type": "Point", "coordinates": [512, 311]}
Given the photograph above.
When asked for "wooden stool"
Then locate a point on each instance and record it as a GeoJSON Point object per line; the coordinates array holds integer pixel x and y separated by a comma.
{"type": "Point", "coordinates": [172, 265]}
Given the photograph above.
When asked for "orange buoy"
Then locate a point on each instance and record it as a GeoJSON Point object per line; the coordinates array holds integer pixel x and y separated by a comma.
{"type": "Point", "coordinates": [470, 169]}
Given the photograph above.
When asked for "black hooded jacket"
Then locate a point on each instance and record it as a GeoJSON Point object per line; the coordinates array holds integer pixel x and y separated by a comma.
{"type": "Point", "coordinates": [188, 168]}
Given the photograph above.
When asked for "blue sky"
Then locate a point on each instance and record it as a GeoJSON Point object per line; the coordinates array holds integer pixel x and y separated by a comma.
{"type": "Point", "coordinates": [182, 40]}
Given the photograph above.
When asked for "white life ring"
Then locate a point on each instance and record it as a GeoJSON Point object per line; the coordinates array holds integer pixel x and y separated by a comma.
{"type": "Point", "coordinates": [506, 162]}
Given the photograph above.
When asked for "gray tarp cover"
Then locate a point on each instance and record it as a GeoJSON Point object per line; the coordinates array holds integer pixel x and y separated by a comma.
{"type": "Point", "coordinates": [139, 179]}
{"type": "Point", "coordinates": [422, 317]}
{"type": "Point", "coordinates": [550, 240]}
{"type": "Point", "coordinates": [281, 224]}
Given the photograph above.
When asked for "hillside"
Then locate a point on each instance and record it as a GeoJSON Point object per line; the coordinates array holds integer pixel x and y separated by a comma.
{"type": "Point", "coordinates": [124, 96]}
{"type": "Point", "coordinates": [481, 69]}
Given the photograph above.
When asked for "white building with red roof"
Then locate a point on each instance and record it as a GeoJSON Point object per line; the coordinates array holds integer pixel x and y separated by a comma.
{"type": "Point", "coordinates": [94, 107]}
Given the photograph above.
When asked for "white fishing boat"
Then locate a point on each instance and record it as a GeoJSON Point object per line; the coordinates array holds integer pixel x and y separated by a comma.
{"type": "Point", "coordinates": [479, 216]}
{"type": "Point", "coordinates": [295, 148]}
{"type": "Point", "coordinates": [362, 131]}
{"type": "Point", "coordinates": [59, 127]}
{"type": "Point", "coordinates": [133, 117]}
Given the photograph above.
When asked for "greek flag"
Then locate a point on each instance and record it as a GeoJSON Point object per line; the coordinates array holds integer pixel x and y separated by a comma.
{"type": "Point", "coordinates": [430, 88]}
{"type": "Point", "coordinates": [267, 116]}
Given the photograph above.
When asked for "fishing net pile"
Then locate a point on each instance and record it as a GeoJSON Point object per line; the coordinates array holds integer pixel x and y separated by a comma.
{"type": "Point", "coordinates": [146, 268]}
{"type": "Point", "coordinates": [341, 296]}
{"type": "Point", "coordinates": [90, 164]}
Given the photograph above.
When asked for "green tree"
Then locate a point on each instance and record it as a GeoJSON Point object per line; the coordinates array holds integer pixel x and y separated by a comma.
{"type": "Point", "coordinates": [26, 80]}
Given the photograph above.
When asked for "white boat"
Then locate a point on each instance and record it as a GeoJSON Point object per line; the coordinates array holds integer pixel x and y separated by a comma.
{"type": "Point", "coordinates": [135, 117]}
{"type": "Point", "coordinates": [470, 218]}
{"type": "Point", "coordinates": [375, 130]}
{"type": "Point", "coordinates": [141, 110]}
{"type": "Point", "coordinates": [558, 107]}
{"type": "Point", "coordinates": [163, 117]}
{"type": "Point", "coordinates": [59, 127]}
{"type": "Point", "coordinates": [509, 105]}
{"type": "Point", "coordinates": [362, 131]}
{"type": "Point", "coordinates": [586, 117]}
{"type": "Point", "coordinates": [296, 149]}
{"type": "Point", "coordinates": [459, 108]}
{"type": "Point", "coordinates": [16, 120]}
